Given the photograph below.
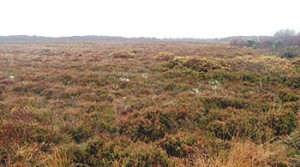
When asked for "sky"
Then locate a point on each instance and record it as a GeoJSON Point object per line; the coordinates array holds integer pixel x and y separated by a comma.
{"type": "Point", "coordinates": [148, 18]}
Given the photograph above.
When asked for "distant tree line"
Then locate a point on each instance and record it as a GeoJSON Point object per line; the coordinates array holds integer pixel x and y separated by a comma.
{"type": "Point", "coordinates": [285, 42]}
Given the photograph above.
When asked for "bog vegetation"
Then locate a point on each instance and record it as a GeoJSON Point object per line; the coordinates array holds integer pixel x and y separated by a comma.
{"type": "Point", "coordinates": [148, 104]}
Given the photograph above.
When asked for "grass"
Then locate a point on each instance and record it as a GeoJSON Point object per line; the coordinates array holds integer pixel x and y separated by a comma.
{"type": "Point", "coordinates": [147, 104]}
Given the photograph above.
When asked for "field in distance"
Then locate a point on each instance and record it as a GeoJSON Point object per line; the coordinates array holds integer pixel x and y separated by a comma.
{"type": "Point", "coordinates": [149, 103]}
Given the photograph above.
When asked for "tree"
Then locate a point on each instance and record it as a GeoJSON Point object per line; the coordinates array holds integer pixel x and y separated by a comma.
{"type": "Point", "coordinates": [279, 43]}
{"type": "Point", "coordinates": [251, 43]}
{"type": "Point", "coordinates": [284, 34]}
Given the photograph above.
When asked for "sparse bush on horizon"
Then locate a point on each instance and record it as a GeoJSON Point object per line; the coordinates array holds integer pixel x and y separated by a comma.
{"type": "Point", "coordinates": [284, 42]}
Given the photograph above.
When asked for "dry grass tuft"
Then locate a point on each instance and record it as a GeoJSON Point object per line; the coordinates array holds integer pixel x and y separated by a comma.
{"type": "Point", "coordinates": [247, 154]}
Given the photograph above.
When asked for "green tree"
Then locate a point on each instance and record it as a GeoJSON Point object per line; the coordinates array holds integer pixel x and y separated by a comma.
{"type": "Point", "coordinates": [251, 43]}
{"type": "Point", "coordinates": [279, 43]}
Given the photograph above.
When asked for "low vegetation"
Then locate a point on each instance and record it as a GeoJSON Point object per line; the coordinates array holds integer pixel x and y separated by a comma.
{"type": "Point", "coordinates": [148, 104]}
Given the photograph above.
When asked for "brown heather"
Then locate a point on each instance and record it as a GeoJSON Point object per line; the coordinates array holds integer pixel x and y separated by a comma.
{"type": "Point", "coordinates": [147, 104]}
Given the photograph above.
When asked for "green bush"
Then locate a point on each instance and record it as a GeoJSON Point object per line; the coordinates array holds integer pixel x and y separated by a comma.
{"type": "Point", "coordinates": [251, 43]}
{"type": "Point", "coordinates": [279, 43]}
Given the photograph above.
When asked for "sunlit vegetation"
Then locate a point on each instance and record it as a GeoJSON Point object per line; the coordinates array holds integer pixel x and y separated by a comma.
{"type": "Point", "coordinates": [148, 104]}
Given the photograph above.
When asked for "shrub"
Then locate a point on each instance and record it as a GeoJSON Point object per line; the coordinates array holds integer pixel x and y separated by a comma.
{"type": "Point", "coordinates": [147, 126]}
{"type": "Point", "coordinates": [80, 133]}
{"type": "Point", "coordinates": [279, 43]}
{"type": "Point", "coordinates": [197, 64]}
{"type": "Point", "coordinates": [251, 43]}
{"type": "Point", "coordinates": [223, 103]}
{"type": "Point", "coordinates": [121, 151]}
{"type": "Point", "coordinates": [180, 145]}
{"type": "Point", "coordinates": [24, 133]}
{"type": "Point", "coordinates": [165, 56]}
{"type": "Point", "coordinates": [292, 81]}
{"type": "Point", "coordinates": [287, 96]}
{"type": "Point", "coordinates": [219, 129]}
{"type": "Point", "coordinates": [290, 52]}
{"type": "Point", "coordinates": [247, 153]}
{"type": "Point", "coordinates": [239, 124]}
{"type": "Point", "coordinates": [102, 118]}
{"type": "Point", "coordinates": [202, 65]}
{"type": "Point", "coordinates": [282, 123]}
{"type": "Point", "coordinates": [293, 141]}
{"type": "Point", "coordinates": [122, 55]}
{"type": "Point", "coordinates": [144, 155]}
{"type": "Point", "coordinates": [4, 156]}
{"type": "Point", "coordinates": [76, 153]}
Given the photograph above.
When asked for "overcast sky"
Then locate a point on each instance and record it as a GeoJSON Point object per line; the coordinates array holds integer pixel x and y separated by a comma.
{"type": "Point", "coordinates": [148, 18]}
